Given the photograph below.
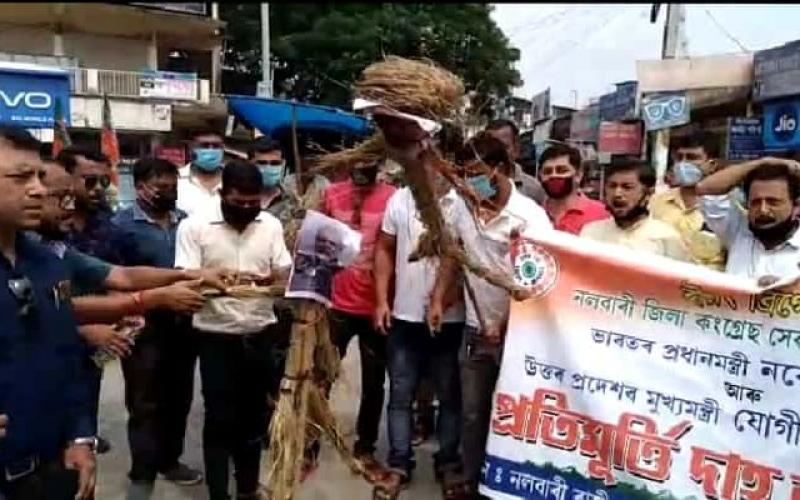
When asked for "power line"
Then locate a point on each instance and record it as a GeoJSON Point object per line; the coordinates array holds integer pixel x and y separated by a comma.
{"type": "Point", "coordinates": [726, 33]}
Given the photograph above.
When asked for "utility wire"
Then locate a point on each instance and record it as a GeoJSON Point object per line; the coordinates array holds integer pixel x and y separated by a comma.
{"type": "Point", "coordinates": [726, 33]}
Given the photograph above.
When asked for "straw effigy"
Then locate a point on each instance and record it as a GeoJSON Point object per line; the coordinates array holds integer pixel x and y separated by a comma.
{"type": "Point", "coordinates": [303, 413]}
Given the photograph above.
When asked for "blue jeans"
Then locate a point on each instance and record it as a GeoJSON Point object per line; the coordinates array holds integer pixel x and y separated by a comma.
{"type": "Point", "coordinates": [410, 350]}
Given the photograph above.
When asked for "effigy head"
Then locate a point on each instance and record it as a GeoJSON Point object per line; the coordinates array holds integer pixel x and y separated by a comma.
{"type": "Point", "coordinates": [408, 101]}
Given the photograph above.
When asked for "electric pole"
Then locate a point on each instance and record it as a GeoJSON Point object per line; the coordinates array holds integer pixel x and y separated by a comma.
{"type": "Point", "coordinates": [266, 66]}
{"type": "Point", "coordinates": [673, 38]}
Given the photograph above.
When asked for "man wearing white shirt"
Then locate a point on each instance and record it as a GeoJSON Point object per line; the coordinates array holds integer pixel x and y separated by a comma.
{"type": "Point", "coordinates": [235, 340]}
{"type": "Point", "coordinates": [504, 212]}
{"type": "Point", "coordinates": [763, 243]}
{"type": "Point", "coordinates": [199, 181]}
{"type": "Point", "coordinates": [411, 349]}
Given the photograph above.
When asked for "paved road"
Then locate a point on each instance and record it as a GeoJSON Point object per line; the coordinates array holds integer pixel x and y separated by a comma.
{"type": "Point", "coordinates": [332, 481]}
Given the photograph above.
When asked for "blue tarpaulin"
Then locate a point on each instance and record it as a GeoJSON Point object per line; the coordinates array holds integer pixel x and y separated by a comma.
{"type": "Point", "coordinates": [271, 115]}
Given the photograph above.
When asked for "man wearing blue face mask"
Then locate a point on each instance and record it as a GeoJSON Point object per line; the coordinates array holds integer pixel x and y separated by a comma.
{"type": "Point", "coordinates": [200, 180]}
{"type": "Point", "coordinates": [694, 159]}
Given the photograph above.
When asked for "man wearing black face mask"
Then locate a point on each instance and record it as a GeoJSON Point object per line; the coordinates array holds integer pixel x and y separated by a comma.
{"type": "Point", "coordinates": [235, 334]}
{"type": "Point", "coordinates": [360, 202]}
{"type": "Point", "coordinates": [628, 187]}
{"type": "Point", "coordinates": [765, 243]}
{"type": "Point", "coordinates": [159, 373]}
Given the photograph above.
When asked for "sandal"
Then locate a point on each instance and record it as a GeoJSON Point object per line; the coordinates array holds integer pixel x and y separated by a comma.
{"type": "Point", "coordinates": [389, 484]}
{"type": "Point", "coordinates": [454, 487]}
{"type": "Point", "coordinates": [368, 466]}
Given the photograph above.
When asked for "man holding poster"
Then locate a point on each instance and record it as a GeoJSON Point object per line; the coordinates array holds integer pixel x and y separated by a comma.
{"type": "Point", "coordinates": [630, 377]}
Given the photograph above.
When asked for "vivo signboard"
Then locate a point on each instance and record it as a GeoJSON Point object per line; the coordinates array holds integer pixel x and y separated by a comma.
{"type": "Point", "coordinates": [28, 97]}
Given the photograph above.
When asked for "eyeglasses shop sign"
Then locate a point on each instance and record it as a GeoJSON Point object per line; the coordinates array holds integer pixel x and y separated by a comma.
{"type": "Point", "coordinates": [28, 98]}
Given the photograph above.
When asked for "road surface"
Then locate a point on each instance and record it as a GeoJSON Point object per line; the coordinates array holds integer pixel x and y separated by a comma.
{"type": "Point", "coordinates": [331, 481]}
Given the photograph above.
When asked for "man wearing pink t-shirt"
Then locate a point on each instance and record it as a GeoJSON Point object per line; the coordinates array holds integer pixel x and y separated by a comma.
{"type": "Point", "coordinates": [360, 203]}
{"type": "Point", "coordinates": [561, 174]}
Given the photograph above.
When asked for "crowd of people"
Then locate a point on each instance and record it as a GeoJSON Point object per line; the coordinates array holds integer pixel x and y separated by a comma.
{"type": "Point", "coordinates": [78, 275]}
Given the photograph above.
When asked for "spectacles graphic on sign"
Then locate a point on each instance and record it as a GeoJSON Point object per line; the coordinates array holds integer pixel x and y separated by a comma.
{"type": "Point", "coordinates": [665, 109]}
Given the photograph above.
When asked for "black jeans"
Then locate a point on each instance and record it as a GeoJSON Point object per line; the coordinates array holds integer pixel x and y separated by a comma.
{"type": "Point", "coordinates": [412, 350]}
{"type": "Point", "coordinates": [480, 367]}
{"type": "Point", "coordinates": [50, 481]}
{"type": "Point", "coordinates": [237, 373]}
{"type": "Point", "coordinates": [372, 346]}
{"type": "Point", "coordinates": [159, 385]}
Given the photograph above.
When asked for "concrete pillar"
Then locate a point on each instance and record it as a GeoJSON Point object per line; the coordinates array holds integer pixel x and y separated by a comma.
{"type": "Point", "coordinates": [152, 52]}
{"type": "Point", "coordinates": [58, 41]}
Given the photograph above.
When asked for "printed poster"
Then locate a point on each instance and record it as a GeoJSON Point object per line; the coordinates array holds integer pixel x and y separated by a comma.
{"type": "Point", "coordinates": [629, 375]}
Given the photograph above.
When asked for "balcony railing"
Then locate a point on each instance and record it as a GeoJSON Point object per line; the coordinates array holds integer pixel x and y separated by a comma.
{"type": "Point", "coordinates": [169, 86]}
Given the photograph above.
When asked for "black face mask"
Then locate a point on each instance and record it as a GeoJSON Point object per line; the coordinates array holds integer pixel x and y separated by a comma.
{"type": "Point", "coordinates": [364, 176]}
{"type": "Point", "coordinates": [158, 201]}
{"type": "Point", "coordinates": [636, 212]}
{"type": "Point", "coordinates": [237, 216]}
{"type": "Point", "coordinates": [778, 233]}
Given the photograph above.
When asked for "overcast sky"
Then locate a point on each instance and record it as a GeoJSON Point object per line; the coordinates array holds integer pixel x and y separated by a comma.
{"type": "Point", "coordinates": [588, 47]}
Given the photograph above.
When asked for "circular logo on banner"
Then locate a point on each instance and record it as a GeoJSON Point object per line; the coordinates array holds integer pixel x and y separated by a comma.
{"type": "Point", "coordinates": [784, 123]}
{"type": "Point", "coordinates": [534, 267]}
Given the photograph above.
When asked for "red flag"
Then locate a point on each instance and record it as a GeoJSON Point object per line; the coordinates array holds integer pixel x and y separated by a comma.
{"type": "Point", "coordinates": [60, 135]}
{"type": "Point", "coordinates": [109, 145]}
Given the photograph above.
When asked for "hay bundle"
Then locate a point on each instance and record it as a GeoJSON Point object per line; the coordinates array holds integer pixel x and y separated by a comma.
{"type": "Point", "coordinates": [369, 151]}
{"type": "Point", "coordinates": [417, 87]}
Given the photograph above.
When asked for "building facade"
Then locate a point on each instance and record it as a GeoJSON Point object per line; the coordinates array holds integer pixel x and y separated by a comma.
{"type": "Point", "coordinates": [159, 65]}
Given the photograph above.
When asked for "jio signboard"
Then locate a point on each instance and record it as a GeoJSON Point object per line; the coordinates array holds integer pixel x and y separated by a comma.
{"type": "Point", "coordinates": [28, 97]}
{"type": "Point", "coordinates": [781, 121]}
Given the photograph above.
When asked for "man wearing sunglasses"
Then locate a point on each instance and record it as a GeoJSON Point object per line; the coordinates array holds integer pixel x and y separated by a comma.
{"type": "Point", "coordinates": [200, 180]}
{"type": "Point", "coordinates": [47, 443]}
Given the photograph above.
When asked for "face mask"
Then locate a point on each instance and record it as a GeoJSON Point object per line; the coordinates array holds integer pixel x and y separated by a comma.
{"type": "Point", "coordinates": [208, 159]}
{"type": "Point", "coordinates": [483, 186]}
{"type": "Point", "coordinates": [271, 175]}
{"type": "Point", "coordinates": [364, 176]}
{"type": "Point", "coordinates": [158, 202]}
{"type": "Point", "coordinates": [237, 216]}
{"type": "Point", "coordinates": [687, 174]}
{"type": "Point", "coordinates": [775, 234]}
{"type": "Point", "coordinates": [558, 187]}
{"type": "Point", "coordinates": [635, 213]}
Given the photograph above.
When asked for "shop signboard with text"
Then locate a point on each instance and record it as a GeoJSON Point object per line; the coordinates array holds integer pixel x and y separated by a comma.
{"type": "Point", "coordinates": [780, 124]}
{"type": "Point", "coordinates": [168, 85]}
{"type": "Point", "coordinates": [28, 96]}
{"type": "Point", "coordinates": [745, 138]}
{"type": "Point", "coordinates": [620, 138]}
{"type": "Point", "coordinates": [776, 72]}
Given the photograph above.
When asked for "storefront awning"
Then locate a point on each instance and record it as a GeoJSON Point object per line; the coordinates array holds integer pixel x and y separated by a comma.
{"type": "Point", "coordinates": [272, 115]}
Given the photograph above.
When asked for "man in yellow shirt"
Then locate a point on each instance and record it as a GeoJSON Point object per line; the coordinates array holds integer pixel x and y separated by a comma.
{"type": "Point", "coordinates": [694, 159]}
{"type": "Point", "coordinates": [628, 188]}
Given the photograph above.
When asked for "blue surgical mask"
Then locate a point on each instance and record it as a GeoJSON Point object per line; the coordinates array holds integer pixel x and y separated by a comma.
{"type": "Point", "coordinates": [208, 159]}
{"type": "Point", "coordinates": [271, 175]}
{"type": "Point", "coordinates": [483, 186]}
{"type": "Point", "coordinates": [687, 174]}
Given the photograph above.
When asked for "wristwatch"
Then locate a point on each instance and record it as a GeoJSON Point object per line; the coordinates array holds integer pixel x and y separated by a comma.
{"type": "Point", "coordinates": [91, 442]}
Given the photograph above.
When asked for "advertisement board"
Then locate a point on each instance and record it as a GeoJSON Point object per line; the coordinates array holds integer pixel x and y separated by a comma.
{"type": "Point", "coordinates": [665, 110]}
{"type": "Point", "coordinates": [745, 138]}
{"type": "Point", "coordinates": [168, 85]}
{"type": "Point", "coordinates": [780, 124]}
{"type": "Point", "coordinates": [620, 138]}
{"type": "Point", "coordinates": [28, 96]}
{"type": "Point", "coordinates": [776, 72]}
